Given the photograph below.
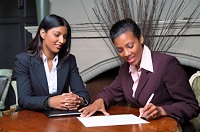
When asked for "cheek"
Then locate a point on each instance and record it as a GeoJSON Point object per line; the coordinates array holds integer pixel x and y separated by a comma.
{"type": "Point", "coordinates": [49, 38]}
{"type": "Point", "coordinates": [48, 41]}
{"type": "Point", "coordinates": [140, 49]}
{"type": "Point", "coordinates": [121, 54]}
{"type": "Point", "coordinates": [65, 40]}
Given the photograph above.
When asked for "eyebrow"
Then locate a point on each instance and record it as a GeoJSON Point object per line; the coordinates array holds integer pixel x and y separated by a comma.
{"type": "Point", "coordinates": [59, 32]}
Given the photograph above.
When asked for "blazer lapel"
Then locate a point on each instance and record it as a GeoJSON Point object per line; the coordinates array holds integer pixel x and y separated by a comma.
{"type": "Point", "coordinates": [128, 84]}
{"type": "Point", "coordinates": [39, 70]}
{"type": "Point", "coordinates": [143, 79]}
{"type": "Point", "coordinates": [62, 73]}
{"type": "Point", "coordinates": [131, 98]}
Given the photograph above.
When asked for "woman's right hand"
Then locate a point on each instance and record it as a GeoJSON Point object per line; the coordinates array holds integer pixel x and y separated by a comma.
{"type": "Point", "coordinates": [58, 102]}
{"type": "Point", "coordinates": [97, 105]}
{"type": "Point", "coordinates": [66, 101]}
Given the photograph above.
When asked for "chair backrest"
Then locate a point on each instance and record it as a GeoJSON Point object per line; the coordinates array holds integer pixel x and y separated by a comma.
{"type": "Point", "coordinates": [14, 85]}
{"type": "Point", "coordinates": [3, 82]}
{"type": "Point", "coordinates": [5, 79]}
{"type": "Point", "coordinates": [195, 84]}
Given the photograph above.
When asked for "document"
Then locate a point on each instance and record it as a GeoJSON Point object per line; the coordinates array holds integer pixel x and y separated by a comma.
{"type": "Point", "coordinates": [111, 120]}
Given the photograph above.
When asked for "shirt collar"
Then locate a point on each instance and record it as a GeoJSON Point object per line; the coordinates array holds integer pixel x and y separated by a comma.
{"type": "Point", "coordinates": [146, 61]}
{"type": "Point", "coordinates": [55, 59]}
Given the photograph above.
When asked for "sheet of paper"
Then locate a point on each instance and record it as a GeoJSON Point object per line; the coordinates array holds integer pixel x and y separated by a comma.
{"type": "Point", "coordinates": [124, 119]}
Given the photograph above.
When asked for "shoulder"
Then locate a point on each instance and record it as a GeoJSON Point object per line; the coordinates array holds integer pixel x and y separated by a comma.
{"type": "Point", "coordinates": [166, 63]}
{"type": "Point", "coordinates": [70, 58]}
{"type": "Point", "coordinates": [162, 58]}
{"type": "Point", "coordinates": [22, 56]}
{"type": "Point", "coordinates": [26, 58]}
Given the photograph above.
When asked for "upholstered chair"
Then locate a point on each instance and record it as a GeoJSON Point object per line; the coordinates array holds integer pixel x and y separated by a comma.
{"type": "Point", "coordinates": [195, 84]}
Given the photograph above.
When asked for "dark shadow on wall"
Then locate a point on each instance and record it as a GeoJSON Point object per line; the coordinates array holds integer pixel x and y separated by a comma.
{"type": "Point", "coordinates": [96, 84]}
{"type": "Point", "coordinates": [190, 70]}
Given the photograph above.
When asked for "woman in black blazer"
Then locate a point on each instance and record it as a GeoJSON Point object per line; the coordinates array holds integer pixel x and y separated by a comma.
{"type": "Point", "coordinates": [47, 70]}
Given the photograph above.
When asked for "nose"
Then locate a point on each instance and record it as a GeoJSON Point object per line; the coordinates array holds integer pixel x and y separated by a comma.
{"type": "Point", "coordinates": [127, 52]}
{"type": "Point", "coordinates": [62, 39]}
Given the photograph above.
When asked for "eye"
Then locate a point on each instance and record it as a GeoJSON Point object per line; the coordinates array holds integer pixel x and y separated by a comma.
{"type": "Point", "coordinates": [65, 36]}
{"type": "Point", "coordinates": [119, 50]}
{"type": "Point", "coordinates": [130, 45]}
{"type": "Point", "coordinates": [57, 35]}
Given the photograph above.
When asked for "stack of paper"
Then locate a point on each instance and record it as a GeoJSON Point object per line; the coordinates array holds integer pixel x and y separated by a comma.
{"type": "Point", "coordinates": [124, 119]}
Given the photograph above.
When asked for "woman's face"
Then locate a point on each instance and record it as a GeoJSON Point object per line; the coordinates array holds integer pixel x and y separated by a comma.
{"type": "Point", "coordinates": [129, 48]}
{"type": "Point", "coordinates": [53, 40]}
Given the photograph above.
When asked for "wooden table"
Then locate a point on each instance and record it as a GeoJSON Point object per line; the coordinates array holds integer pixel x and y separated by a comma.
{"type": "Point", "coordinates": [27, 121]}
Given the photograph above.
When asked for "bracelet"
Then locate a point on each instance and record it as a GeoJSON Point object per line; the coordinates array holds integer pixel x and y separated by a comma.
{"type": "Point", "coordinates": [85, 102]}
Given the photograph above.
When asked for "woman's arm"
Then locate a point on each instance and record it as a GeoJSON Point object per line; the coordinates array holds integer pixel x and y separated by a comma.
{"type": "Point", "coordinates": [26, 95]}
{"type": "Point", "coordinates": [185, 106]}
{"type": "Point", "coordinates": [76, 83]}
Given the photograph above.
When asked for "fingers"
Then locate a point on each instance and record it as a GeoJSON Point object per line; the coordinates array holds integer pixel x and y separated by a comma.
{"type": "Point", "coordinates": [66, 101]}
{"type": "Point", "coordinates": [97, 105]}
{"type": "Point", "coordinates": [67, 94]}
{"type": "Point", "coordinates": [66, 106]}
{"type": "Point", "coordinates": [150, 111]}
{"type": "Point", "coordinates": [71, 106]}
{"type": "Point", "coordinates": [105, 113]}
{"type": "Point", "coordinates": [72, 100]}
{"type": "Point", "coordinates": [141, 110]}
{"type": "Point", "coordinates": [87, 112]}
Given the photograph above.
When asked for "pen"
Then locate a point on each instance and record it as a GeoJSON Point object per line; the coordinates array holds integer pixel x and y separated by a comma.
{"type": "Point", "coordinates": [149, 100]}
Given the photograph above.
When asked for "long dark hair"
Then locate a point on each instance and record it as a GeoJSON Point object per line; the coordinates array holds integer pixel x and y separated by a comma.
{"type": "Point", "coordinates": [123, 26]}
{"type": "Point", "coordinates": [51, 21]}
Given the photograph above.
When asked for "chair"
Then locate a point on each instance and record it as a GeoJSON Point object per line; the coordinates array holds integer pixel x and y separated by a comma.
{"type": "Point", "coordinates": [14, 86]}
{"type": "Point", "coordinates": [13, 107]}
{"type": "Point", "coordinates": [5, 79]}
{"type": "Point", "coordinates": [195, 84]}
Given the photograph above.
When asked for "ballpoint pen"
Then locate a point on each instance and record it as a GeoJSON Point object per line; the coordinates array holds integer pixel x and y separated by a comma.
{"type": "Point", "coordinates": [148, 101]}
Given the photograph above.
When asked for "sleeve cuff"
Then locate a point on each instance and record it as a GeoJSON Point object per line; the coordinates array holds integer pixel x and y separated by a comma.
{"type": "Point", "coordinates": [86, 102]}
{"type": "Point", "coordinates": [46, 104]}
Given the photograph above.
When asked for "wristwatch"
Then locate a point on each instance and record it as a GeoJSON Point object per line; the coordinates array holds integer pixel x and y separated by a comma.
{"type": "Point", "coordinates": [46, 104]}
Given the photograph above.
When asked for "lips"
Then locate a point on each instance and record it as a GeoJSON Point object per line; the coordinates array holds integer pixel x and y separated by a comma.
{"type": "Point", "coordinates": [58, 46]}
{"type": "Point", "coordinates": [130, 59]}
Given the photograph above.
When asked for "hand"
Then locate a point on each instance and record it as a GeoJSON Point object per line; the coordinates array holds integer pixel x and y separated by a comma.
{"type": "Point", "coordinates": [151, 111]}
{"type": "Point", "coordinates": [66, 101]}
{"type": "Point", "coordinates": [98, 105]}
{"type": "Point", "coordinates": [73, 101]}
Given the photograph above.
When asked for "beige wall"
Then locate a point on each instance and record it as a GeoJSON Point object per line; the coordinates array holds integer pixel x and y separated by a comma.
{"type": "Point", "coordinates": [96, 55]}
{"type": "Point", "coordinates": [73, 10]}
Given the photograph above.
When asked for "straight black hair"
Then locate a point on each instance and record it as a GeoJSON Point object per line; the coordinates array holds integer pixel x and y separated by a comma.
{"type": "Point", "coordinates": [123, 26]}
{"type": "Point", "coordinates": [51, 21]}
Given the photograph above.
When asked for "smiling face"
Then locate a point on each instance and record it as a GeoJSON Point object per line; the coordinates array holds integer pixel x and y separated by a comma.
{"type": "Point", "coordinates": [130, 48]}
{"type": "Point", "coordinates": [53, 40]}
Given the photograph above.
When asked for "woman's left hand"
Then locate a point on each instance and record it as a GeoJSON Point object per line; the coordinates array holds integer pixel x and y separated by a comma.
{"type": "Point", "coordinates": [72, 101]}
{"type": "Point", "coordinates": [151, 111]}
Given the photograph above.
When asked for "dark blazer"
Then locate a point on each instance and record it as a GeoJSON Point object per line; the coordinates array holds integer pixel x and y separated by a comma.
{"type": "Point", "coordinates": [168, 82]}
{"type": "Point", "coordinates": [32, 82]}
